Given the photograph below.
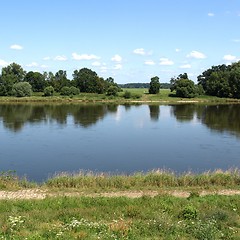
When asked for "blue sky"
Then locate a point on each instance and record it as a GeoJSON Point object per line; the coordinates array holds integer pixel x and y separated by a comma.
{"type": "Point", "coordinates": [130, 40]}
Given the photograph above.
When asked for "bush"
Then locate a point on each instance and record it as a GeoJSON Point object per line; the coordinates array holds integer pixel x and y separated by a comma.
{"type": "Point", "coordinates": [74, 90]}
{"type": "Point", "coordinates": [127, 94]}
{"type": "Point", "coordinates": [48, 91]}
{"type": "Point", "coordinates": [189, 212]}
{"type": "Point", "coordinates": [69, 91]}
{"type": "Point", "coordinates": [112, 91]}
{"type": "Point", "coordinates": [22, 89]}
{"type": "Point", "coordinates": [65, 91]}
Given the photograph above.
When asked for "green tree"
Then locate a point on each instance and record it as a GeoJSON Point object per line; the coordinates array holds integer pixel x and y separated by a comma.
{"type": "Point", "coordinates": [60, 80]}
{"type": "Point", "coordinates": [11, 74]}
{"type": "Point", "coordinates": [185, 88]}
{"type": "Point", "coordinates": [88, 81]}
{"type": "Point", "coordinates": [36, 80]}
{"type": "Point", "coordinates": [154, 85]}
{"type": "Point", "coordinates": [22, 89]}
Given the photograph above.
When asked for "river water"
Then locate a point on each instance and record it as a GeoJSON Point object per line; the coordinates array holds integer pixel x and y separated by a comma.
{"type": "Point", "coordinates": [38, 141]}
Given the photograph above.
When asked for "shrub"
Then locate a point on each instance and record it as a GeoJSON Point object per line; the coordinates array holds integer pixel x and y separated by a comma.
{"type": "Point", "coordinates": [65, 91]}
{"type": "Point", "coordinates": [189, 212]}
{"type": "Point", "coordinates": [48, 91]}
{"type": "Point", "coordinates": [127, 94]}
{"type": "Point", "coordinates": [74, 90]}
{"type": "Point", "coordinates": [69, 91]}
{"type": "Point", "coordinates": [112, 91]}
{"type": "Point", "coordinates": [22, 89]}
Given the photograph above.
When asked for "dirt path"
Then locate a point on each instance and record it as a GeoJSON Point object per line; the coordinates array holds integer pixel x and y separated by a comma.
{"type": "Point", "coordinates": [41, 194]}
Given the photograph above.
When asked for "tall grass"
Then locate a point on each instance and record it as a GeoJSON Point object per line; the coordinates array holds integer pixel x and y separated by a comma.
{"type": "Point", "coordinates": [153, 179]}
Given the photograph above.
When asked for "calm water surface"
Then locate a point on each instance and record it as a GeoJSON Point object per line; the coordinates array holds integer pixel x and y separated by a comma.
{"type": "Point", "coordinates": [38, 141]}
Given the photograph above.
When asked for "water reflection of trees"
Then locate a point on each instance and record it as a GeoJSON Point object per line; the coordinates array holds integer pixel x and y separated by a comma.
{"type": "Point", "coordinates": [154, 112]}
{"type": "Point", "coordinates": [216, 117]}
{"type": "Point", "coordinates": [15, 116]}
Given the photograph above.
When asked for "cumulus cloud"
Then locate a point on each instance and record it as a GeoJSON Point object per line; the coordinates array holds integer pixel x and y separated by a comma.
{"type": "Point", "coordinates": [16, 47]}
{"type": "Point", "coordinates": [46, 58]}
{"type": "Point", "coordinates": [139, 51]}
{"type": "Point", "coordinates": [3, 63]}
{"type": "Point", "coordinates": [96, 64]}
{"type": "Point", "coordinates": [178, 50]}
{"type": "Point", "coordinates": [103, 69]}
{"type": "Point", "coordinates": [166, 62]}
{"type": "Point", "coordinates": [76, 56]}
{"type": "Point", "coordinates": [33, 64]}
{"type": "Point", "coordinates": [196, 54]}
{"type": "Point", "coordinates": [211, 14]}
{"type": "Point", "coordinates": [118, 66]}
{"type": "Point", "coordinates": [230, 57]}
{"type": "Point", "coordinates": [185, 66]}
{"type": "Point", "coordinates": [116, 58]}
{"type": "Point", "coordinates": [60, 58]}
{"type": "Point", "coordinates": [149, 62]}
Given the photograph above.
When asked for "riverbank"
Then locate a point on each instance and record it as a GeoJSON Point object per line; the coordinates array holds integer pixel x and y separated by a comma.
{"type": "Point", "coordinates": [155, 205]}
{"type": "Point", "coordinates": [137, 96]}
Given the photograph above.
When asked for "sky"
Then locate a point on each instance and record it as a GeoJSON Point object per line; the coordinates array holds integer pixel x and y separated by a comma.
{"type": "Point", "coordinates": [129, 40]}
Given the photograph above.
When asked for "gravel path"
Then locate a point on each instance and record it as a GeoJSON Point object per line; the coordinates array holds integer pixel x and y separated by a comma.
{"type": "Point", "coordinates": [41, 194]}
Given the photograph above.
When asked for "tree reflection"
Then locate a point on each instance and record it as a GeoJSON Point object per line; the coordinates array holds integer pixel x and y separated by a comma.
{"type": "Point", "coordinates": [223, 118]}
{"type": "Point", "coordinates": [15, 116]}
{"type": "Point", "coordinates": [183, 113]}
{"type": "Point", "coordinates": [216, 117]}
{"type": "Point", "coordinates": [154, 112]}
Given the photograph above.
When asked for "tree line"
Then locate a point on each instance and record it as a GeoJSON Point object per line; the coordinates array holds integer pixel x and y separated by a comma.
{"type": "Point", "coordinates": [221, 81]}
{"type": "Point", "coordinates": [15, 81]}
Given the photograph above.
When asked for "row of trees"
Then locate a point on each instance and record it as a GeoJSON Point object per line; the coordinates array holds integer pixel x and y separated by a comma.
{"type": "Point", "coordinates": [220, 81]}
{"type": "Point", "coordinates": [15, 81]}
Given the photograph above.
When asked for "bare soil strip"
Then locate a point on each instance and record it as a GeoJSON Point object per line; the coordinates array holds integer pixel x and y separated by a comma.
{"type": "Point", "coordinates": [41, 194]}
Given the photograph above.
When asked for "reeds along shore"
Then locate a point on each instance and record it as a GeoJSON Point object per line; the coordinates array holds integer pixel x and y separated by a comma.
{"type": "Point", "coordinates": [153, 179]}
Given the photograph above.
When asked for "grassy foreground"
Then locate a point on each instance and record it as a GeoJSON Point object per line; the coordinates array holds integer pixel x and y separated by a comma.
{"type": "Point", "coordinates": [159, 217]}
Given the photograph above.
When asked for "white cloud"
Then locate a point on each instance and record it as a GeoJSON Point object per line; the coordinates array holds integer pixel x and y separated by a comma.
{"type": "Point", "coordinates": [139, 51]}
{"type": "Point", "coordinates": [166, 62]}
{"type": "Point", "coordinates": [16, 47]}
{"type": "Point", "coordinates": [96, 64]}
{"type": "Point", "coordinates": [178, 50]}
{"type": "Point", "coordinates": [211, 14]}
{"type": "Point", "coordinates": [3, 63]}
{"type": "Point", "coordinates": [76, 56]}
{"type": "Point", "coordinates": [229, 58]}
{"type": "Point", "coordinates": [116, 58]}
{"type": "Point", "coordinates": [103, 69]}
{"type": "Point", "coordinates": [46, 58]}
{"type": "Point", "coordinates": [117, 67]}
{"type": "Point", "coordinates": [44, 66]}
{"type": "Point", "coordinates": [196, 54]}
{"type": "Point", "coordinates": [60, 58]}
{"type": "Point", "coordinates": [33, 64]}
{"type": "Point", "coordinates": [149, 62]}
{"type": "Point", "coordinates": [185, 66]}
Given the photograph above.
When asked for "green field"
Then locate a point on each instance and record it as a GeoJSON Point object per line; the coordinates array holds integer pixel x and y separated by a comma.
{"type": "Point", "coordinates": [137, 95]}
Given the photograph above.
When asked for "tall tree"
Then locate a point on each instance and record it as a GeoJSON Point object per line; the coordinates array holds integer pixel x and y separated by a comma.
{"type": "Point", "coordinates": [36, 80]}
{"type": "Point", "coordinates": [154, 85]}
{"type": "Point", "coordinates": [88, 81]}
{"type": "Point", "coordinates": [11, 74]}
